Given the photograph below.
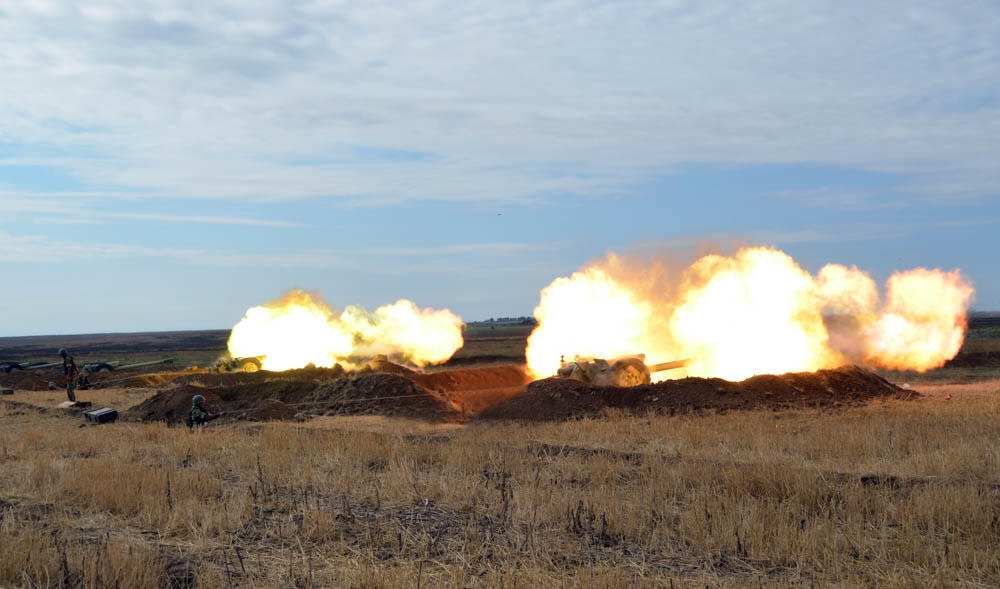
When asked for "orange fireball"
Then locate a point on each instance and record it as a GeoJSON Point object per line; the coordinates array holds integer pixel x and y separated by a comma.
{"type": "Point", "coordinates": [755, 312]}
{"type": "Point", "coordinates": [924, 320]}
{"type": "Point", "coordinates": [300, 329]}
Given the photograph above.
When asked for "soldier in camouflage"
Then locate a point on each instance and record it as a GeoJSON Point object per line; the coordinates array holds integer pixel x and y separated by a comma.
{"type": "Point", "coordinates": [198, 414]}
{"type": "Point", "coordinates": [69, 369]}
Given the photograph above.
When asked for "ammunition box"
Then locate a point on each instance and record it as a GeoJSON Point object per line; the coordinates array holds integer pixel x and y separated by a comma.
{"type": "Point", "coordinates": [102, 415]}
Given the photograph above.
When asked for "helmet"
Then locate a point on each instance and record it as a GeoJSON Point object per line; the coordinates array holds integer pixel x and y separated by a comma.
{"type": "Point", "coordinates": [62, 352]}
{"type": "Point", "coordinates": [197, 400]}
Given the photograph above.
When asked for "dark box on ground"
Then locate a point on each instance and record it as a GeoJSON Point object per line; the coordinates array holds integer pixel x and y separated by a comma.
{"type": "Point", "coordinates": [102, 415]}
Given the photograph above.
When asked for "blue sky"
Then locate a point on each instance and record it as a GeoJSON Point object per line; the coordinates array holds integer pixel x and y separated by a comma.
{"type": "Point", "coordinates": [165, 165]}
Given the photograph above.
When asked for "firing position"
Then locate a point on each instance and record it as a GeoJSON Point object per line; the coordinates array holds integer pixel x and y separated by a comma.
{"type": "Point", "coordinates": [198, 414]}
{"type": "Point", "coordinates": [69, 369]}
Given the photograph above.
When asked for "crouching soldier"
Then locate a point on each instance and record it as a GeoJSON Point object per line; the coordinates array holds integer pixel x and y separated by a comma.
{"type": "Point", "coordinates": [83, 380]}
{"type": "Point", "coordinates": [198, 414]}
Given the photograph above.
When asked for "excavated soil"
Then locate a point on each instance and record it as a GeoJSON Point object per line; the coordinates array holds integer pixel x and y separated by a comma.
{"type": "Point", "coordinates": [38, 380]}
{"type": "Point", "coordinates": [473, 379]}
{"type": "Point", "coordinates": [33, 380]}
{"type": "Point", "coordinates": [132, 381]}
{"type": "Point", "coordinates": [474, 389]}
{"type": "Point", "coordinates": [559, 399]}
{"type": "Point", "coordinates": [456, 394]}
{"type": "Point", "coordinates": [298, 394]}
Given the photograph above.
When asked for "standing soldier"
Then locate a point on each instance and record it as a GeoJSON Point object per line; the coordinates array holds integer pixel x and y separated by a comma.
{"type": "Point", "coordinates": [69, 369]}
{"type": "Point", "coordinates": [198, 414]}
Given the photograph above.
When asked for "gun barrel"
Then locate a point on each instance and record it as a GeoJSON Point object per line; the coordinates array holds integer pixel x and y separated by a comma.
{"type": "Point", "coordinates": [37, 366]}
{"type": "Point", "coordinates": [150, 363]}
{"type": "Point", "coordinates": [669, 365]}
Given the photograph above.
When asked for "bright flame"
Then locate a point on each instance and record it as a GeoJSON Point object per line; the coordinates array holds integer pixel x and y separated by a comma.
{"type": "Point", "coordinates": [923, 325]}
{"type": "Point", "coordinates": [588, 310]}
{"type": "Point", "coordinates": [756, 312]}
{"type": "Point", "coordinates": [299, 329]}
{"type": "Point", "coordinates": [753, 313]}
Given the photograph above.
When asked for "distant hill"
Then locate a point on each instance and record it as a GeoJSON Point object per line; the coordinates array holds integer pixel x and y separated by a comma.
{"type": "Point", "coordinates": [978, 319]}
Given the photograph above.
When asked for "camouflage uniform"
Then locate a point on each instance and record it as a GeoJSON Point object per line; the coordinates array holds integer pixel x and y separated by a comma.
{"type": "Point", "coordinates": [83, 380]}
{"type": "Point", "coordinates": [69, 369]}
{"type": "Point", "coordinates": [197, 416]}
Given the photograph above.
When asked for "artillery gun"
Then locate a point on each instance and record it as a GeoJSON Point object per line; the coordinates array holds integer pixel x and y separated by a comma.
{"type": "Point", "coordinates": [229, 364]}
{"type": "Point", "coordinates": [97, 366]}
{"type": "Point", "coordinates": [90, 367]}
{"type": "Point", "coordinates": [626, 371]}
{"type": "Point", "coordinates": [83, 376]}
{"type": "Point", "coordinates": [9, 367]}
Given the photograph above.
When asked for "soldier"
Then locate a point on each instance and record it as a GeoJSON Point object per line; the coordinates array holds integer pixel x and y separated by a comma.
{"type": "Point", "coordinates": [83, 380]}
{"type": "Point", "coordinates": [69, 369]}
{"type": "Point", "coordinates": [198, 414]}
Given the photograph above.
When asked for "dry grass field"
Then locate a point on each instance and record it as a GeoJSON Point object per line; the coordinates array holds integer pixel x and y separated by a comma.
{"type": "Point", "coordinates": [895, 493]}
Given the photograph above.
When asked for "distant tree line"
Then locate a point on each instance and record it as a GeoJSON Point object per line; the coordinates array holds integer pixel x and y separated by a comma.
{"type": "Point", "coordinates": [523, 320]}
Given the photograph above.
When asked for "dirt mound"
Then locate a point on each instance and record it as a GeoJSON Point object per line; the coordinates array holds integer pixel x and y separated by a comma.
{"type": "Point", "coordinates": [38, 380]}
{"type": "Point", "coordinates": [555, 399]}
{"type": "Point", "coordinates": [383, 394]}
{"type": "Point", "coordinates": [385, 389]}
{"type": "Point", "coordinates": [474, 379]}
{"type": "Point", "coordinates": [271, 410]}
{"type": "Point", "coordinates": [171, 405]}
{"type": "Point", "coordinates": [223, 379]}
{"type": "Point", "coordinates": [133, 381]}
{"type": "Point", "coordinates": [258, 398]}
{"type": "Point", "coordinates": [33, 380]}
{"type": "Point", "coordinates": [474, 389]}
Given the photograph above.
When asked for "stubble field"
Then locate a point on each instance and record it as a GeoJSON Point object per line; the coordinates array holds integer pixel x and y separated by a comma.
{"type": "Point", "coordinates": [895, 491]}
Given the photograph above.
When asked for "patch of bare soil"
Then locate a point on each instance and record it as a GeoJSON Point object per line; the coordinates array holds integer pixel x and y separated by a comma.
{"type": "Point", "coordinates": [384, 394]}
{"type": "Point", "coordinates": [451, 395]}
{"type": "Point", "coordinates": [474, 379]}
{"type": "Point", "coordinates": [134, 381]}
{"type": "Point", "coordinates": [475, 389]}
{"type": "Point", "coordinates": [224, 379]}
{"type": "Point", "coordinates": [556, 399]}
{"type": "Point", "coordinates": [33, 380]}
{"type": "Point", "coordinates": [387, 389]}
{"type": "Point", "coordinates": [264, 399]}
{"type": "Point", "coordinates": [38, 380]}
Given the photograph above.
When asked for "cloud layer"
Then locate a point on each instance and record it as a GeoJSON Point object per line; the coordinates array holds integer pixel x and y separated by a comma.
{"type": "Point", "coordinates": [200, 157]}
{"type": "Point", "coordinates": [501, 101]}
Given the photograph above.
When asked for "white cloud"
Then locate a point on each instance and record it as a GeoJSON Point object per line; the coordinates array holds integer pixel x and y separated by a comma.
{"type": "Point", "coordinates": [506, 101]}
{"type": "Point", "coordinates": [196, 219]}
{"type": "Point", "coordinates": [844, 200]}
{"type": "Point", "coordinates": [77, 208]}
{"type": "Point", "coordinates": [38, 249]}
{"type": "Point", "coordinates": [699, 244]}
